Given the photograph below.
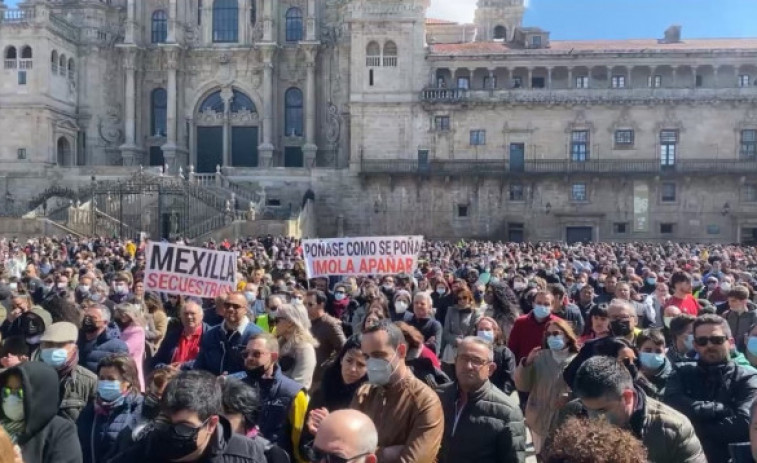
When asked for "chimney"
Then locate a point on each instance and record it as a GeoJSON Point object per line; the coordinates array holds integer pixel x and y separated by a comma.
{"type": "Point", "coordinates": [672, 34]}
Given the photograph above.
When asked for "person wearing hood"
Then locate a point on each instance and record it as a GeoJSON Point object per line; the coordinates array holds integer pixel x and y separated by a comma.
{"type": "Point", "coordinates": [29, 415]}
{"type": "Point", "coordinates": [77, 385]}
{"type": "Point", "coordinates": [33, 324]}
{"type": "Point", "coordinates": [117, 402]}
{"type": "Point", "coordinates": [96, 339]}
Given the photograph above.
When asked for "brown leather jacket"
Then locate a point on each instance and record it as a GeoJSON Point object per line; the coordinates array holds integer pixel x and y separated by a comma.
{"type": "Point", "coordinates": [406, 413]}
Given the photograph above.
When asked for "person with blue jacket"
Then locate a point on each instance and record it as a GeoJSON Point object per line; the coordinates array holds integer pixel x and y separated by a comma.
{"type": "Point", "coordinates": [118, 401]}
{"type": "Point", "coordinates": [181, 345]}
{"type": "Point", "coordinates": [222, 347]}
{"type": "Point", "coordinates": [97, 340]}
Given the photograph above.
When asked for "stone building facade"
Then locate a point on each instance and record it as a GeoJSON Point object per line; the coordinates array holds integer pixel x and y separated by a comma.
{"type": "Point", "coordinates": [396, 122]}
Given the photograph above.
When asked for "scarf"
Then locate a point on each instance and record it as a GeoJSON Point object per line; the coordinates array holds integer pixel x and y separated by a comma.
{"type": "Point", "coordinates": [65, 370]}
{"type": "Point", "coordinates": [13, 428]}
{"type": "Point", "coordinates": [338, 307]}
{"type": "Point", "coordinates": [104, 408]}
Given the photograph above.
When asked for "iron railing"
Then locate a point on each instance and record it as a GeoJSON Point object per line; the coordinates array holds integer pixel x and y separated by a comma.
{"type": "Point", "coordinates": [557, 166]}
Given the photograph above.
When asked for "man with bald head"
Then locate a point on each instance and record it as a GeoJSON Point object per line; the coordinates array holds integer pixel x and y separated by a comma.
{"type": "Point", "coordinates": [222, 347]}
{"type": "Point", "coordinates": [347, 435]}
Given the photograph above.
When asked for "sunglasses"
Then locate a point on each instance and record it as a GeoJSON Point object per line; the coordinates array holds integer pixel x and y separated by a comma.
{"type": "Point", "coordinates": [229, 305]}
{"type": "Point", "coordinates": [716, 340]}
{"type": "Point", "coordinates": [187, 431]}
{"type": "Point", "coordinates": [316, 455]}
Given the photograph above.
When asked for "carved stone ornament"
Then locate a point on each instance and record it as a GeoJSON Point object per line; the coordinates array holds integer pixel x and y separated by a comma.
{"type": "Point", "coordinates": [209, 117]}
{"type": "Point", "coordinates": [224, 58]}
{"type": "Point", "coordinates": [244, 116]}
{"type": "Point", "coordinates": [750, 119]}
{"type": "Point", "coordinates": [624, 121]}
{"type": "Point", "coordinates": [334, 126]}
{"type": "Point", "coordinates": [670, 121]}
{"type": "Point", "coordinates": [109, 126]}
{"type": "Point", "coordinates": [580, 123]}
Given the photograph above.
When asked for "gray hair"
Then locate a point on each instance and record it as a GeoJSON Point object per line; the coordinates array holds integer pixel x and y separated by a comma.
{"type": "Point", "coordinates": [104, 310]}
{"type": "Point", "coordinates": [479, 342]}
{"type": "Point", "coordinates": [425, 296]}
{"type": "Point", "coordinates": [626, 305]}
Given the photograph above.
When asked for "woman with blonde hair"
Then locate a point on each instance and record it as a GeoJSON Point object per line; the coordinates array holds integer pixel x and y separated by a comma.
{"type": "Point", "coordinates": [131, 321]}
{"type": "Point", "coordinates": [540, 374]}
{"type": "Point", "coordinates": [296, 344]}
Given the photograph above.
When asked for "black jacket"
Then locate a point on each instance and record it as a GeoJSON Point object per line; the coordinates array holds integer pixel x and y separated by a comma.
{"type": "Point", "coordinates": [226, 447]}
{"type": "Point", "coordinates": [503, 376]}
{"type": "Point", "coordinates": [48, 438]}
{"type": "Point", "coordinates": [167, 348]}
{"type": "Point", "coordinates": [717, 400]}
{"type": "Point", "coordinates": [91, 352]}
{"type": "Point", "coordinates": [490, 428]}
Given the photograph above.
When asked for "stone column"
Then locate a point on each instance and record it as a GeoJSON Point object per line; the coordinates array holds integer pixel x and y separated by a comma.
{"type": "Point", "coordinates": [265, 150]}
{"type": "Point", "coordinates": [310, 25]}
{"type": "Point", "coordinates": [571, 84]}
{"type": "Point", "coordinates": [310, 148]}
{"type": "Point", "coordinates": [491, 79]}
{"type": "Point", "coordinates": [628, 77]}
{"type": "Point", "coordinates": [675, 76]}
{"type": "Point", "coordinates": [131, 24]}
{"type": "Point", "coordinates": [227, 94]}
{"type": "Point", "coordinates": [530, 77]}
{"type": "Point", "coordinates": [549, 78]}
{"type": "Point", "coordinates": [129, 150]}
{"type": "Point", "coordinates": [170, 148]}
{"type": "Point", "coordinates": [609, 77]}
{"type": "Point", "coordinates": [173, 16]}
{"type": "Point", "coordinates": [716, 77]}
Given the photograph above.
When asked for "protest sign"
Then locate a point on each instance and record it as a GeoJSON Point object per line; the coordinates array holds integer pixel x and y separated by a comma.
{"type": "Point", "coordinates": [177, 269]}
{"type": "Point", "coordinates": [361, 256]}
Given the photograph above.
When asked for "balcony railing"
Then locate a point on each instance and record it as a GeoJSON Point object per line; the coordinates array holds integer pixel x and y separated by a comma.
{"type": "Point", "coordinates": [17, 15]}
{"type": "Point", "coordinates": [557, 166]}
{"type": "Point", "coordinates": [373, 61]}
{"type": "Point", "coordinates": [445, 95]}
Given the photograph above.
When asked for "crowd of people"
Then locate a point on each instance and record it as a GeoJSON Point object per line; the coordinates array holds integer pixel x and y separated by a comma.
{"type": "Point", "coordinates": [487, 352]}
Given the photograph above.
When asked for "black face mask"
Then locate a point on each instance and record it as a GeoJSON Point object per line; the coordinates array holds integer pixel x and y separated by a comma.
{"type": "Point", "coordinates": [150, 406]}
{"type": "Point", "coordinates": [88, 325]}
{"type": "Point", "coordinates": [176, 441]}
{"type": "Point", "coordinates": [256, 373]}
{"type": "Point", "coordinates": [620, 328]}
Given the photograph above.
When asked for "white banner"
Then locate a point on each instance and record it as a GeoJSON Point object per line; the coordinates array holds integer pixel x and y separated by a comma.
{"type": "Point", "coordinates": [177, 269]}
{"type": "Point", "coordinates": [385, 255]}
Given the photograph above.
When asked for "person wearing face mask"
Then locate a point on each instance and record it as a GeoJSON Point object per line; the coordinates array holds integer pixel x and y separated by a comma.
{"type": "Point", "coordinates": [460, 322]}
{"type": "Point", "coordinates": [488, 330]}
{"type": "Point", "coordinates": [283, 401]}
{"type": "Point", "coordinates": [28, 415]}
{"type": "Point", "coordinates": [606, 390]}
{"type": "Point", "coordinates": [33, 324]}
{"type": "Point", "coordinates": [121, 285]}
{"type": "Point", "coordinates": [540, 376]}
{"type": "Point", "coordinates": [327, 330]}
{"type": "Point", "coordinates": [681, 346]}
{"type": "Point", "coordinates": [195, 429]}
{"type": "Point", "coordinates": [481, 423]}
{"type": "Point", "coordinates": [442, 299]}
{"type": "Point", "coordinates": [741, 314]}
{"type": "Point", "coordinates": [96, 340]}
{"type": "Point", "coordinates": [401, 303]}
{"type": "Point", "coordinates": [77, 385]}
{"type": "Point", "coordinates": [343, 306]}
{"type": "Point", "coordinates": [655, 365]}
{"type": "Point", "coordinates": [422, 319]}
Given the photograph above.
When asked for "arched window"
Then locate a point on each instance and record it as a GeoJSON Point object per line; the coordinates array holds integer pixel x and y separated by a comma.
{"type": "Point", "coordinates": [390, 54]}
{"type": "Point", "coordinates": [500, 33]}
{"type": "Point", "coordinates": [225, 21]}
{"type": "Point", "coordinates": [26, 52]}
{"type": "Point", "coordinates": [10, 53]}
{"type": "Point", "coordinates": [213, 102]}
{"type": "Point", "coordinates": [253, 14]}
{"type": "Point", "coordinates": [241, 102]}
{"type": "Point", "coordinates": [373, 55]}
{"type": "Point", "coordinates": [54, 61]}
{"type": "Point", "coordinates": [64, 152]}
{"type": "Point", "coordinates": [294, 27]}
{"type": "Point", "coordinates": [293, 112]}
{"type": "Point", "coordinates": [71, 69]}
{"type": "Point", "coordinates": [159, 26]}
{"type": "Point", "coordinates": [159, 105]}
{"type": "Point", "coordinates": [62, 65]}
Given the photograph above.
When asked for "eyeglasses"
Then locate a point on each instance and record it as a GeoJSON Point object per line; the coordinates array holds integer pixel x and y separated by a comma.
{"type": "Point", "coordinates": [316, 455]}
{"type": "Point", "coordinates": [716, 340]}
{"type": "Point", "coordinates": [186, 430]}
{"type": "Point", "coordinates": [475, 361]}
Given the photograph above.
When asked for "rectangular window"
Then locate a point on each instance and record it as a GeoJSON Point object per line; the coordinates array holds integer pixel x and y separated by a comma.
{"type": "Point", "coordinates": [618, 81]}
{"type": "Point", "coordinates": [21, 153]}
{"type": "Point", "coordinates": [578, 192]}
{"type": "Point", "coordinates": [699, 81]}
{"type": "Point", "coordinates": [582, 82]}
{"type": "Point", "coordinates": [654, 81]}
{"type": "Point", "coordinates": [624, 138]}
{"type": "Point", "coordinates": [441, 123]}
{"type": "Point", "coordinates": [536, 41]}
{"type": "Point", "coordinates": [749, 143]}
{"type": "Point", "coordinates": [538, 82]}
{"type": "Point", "coordinates": [517, 82]}
{"type": "Point", "coordinates": [463, 83]}
{"type": "Point", "coordinates": [666, 228]}
{"type": "Point", "coordinates": [668, 147]}
{"type": "Point", "coordinates": [21, 77]}
{"type": "Point", "coordinates": [749, 193]}
{"type": "Point", "coordinates": [199, 12]}
{"type": "Point", "coordinates": [517, 192]}
{"type": "Point", "coordinates": [477, 137]}
{"type": "Point", "coordinates": [370, 78]}
{"type": "Point", "coordinates": [462, 210]}
{"type": "Point", "coordinates": [668, 192]}
{"type": "Point", "coordinates": [744, 80]}
{"type": "Point", "coordinates": [620, 228]}
{"type": "Point", "coordinates": [490, 83]}
{"type": "Point", "coordinates": [579, 145]}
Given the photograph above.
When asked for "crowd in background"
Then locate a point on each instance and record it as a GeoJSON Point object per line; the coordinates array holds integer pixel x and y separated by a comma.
{"type": "Point", "coordinates": [454, 362]}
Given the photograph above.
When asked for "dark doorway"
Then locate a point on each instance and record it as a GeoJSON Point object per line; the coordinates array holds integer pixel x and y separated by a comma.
{"type": "Point", "coordinates": [293, 157]}
{"type": "Point", "coordinates": [423, 161]}
{"type": "Point", "coordinates": [156, 156]}
{"type": "Point", "coordinates": [517, 157]}
{"type": "Point", "coordinates": [749, 236]}
{"type": "Point", "coordinates": [579, 235]}
{"type": "Point", "coordinates": [209, 149]}
{"type": "Point", "coordinates": [244, 146]}
{"type": "Point", "coordinates": [515, 233]}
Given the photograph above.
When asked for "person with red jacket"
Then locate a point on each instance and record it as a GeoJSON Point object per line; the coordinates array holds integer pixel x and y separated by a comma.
{"type": "Point", "coordinates": [681, 283]}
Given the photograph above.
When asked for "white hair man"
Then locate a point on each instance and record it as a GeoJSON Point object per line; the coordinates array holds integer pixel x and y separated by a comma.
{"type": "Point", "coordinates": [348, 435]}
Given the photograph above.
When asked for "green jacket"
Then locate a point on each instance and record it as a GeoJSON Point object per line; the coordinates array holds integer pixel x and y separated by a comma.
{"type": "Point", "coordinates": [77, 390]}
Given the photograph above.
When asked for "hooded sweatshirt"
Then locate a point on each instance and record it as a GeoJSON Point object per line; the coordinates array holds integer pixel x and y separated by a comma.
{"type": "Point", "coordinates": [47, 437]}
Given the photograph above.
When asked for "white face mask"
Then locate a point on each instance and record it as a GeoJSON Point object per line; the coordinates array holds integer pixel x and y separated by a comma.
{"type": "Point", "coordinates": [379, 371]}
{"type": "Point", "coordinates": [400, 306]}
{"type": "Point", "coordinates": [13, 407]}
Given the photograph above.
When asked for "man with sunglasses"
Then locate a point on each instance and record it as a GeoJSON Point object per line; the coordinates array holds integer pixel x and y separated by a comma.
{"type": "Point", "coordinates": [715, 393]}
{"type": "Point", "coordinates": [221, 348]}
{"type": "Point", "coordinates": [195, 429]}
{"type": "Point", "coordinates": [345, 436]}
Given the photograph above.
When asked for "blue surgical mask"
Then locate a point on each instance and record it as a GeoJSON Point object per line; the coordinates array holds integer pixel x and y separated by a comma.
{"type": "Point", "coordinates": [55, 357]}
{"type": "Point", "coordinates": [339, 296]}
{"type": "Point", "coordinates": [751, 345]}
{"type": "Point", "coordinates": [250, 296]}
{"type": "Point", "coordinates": [651, 281]}
{"type": "Point", "coordinates": [556, 342]}
{"type": "Point", "coordinates": [652, 360]}
{"type": "Point", "coordinates": [487, 336]}
{"type": "Point", "coordinates": [689, 342]}
{"type": "Point", "coordinates": [541, 311]}
{"type": "Point", "coordinates": [109, 390]}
